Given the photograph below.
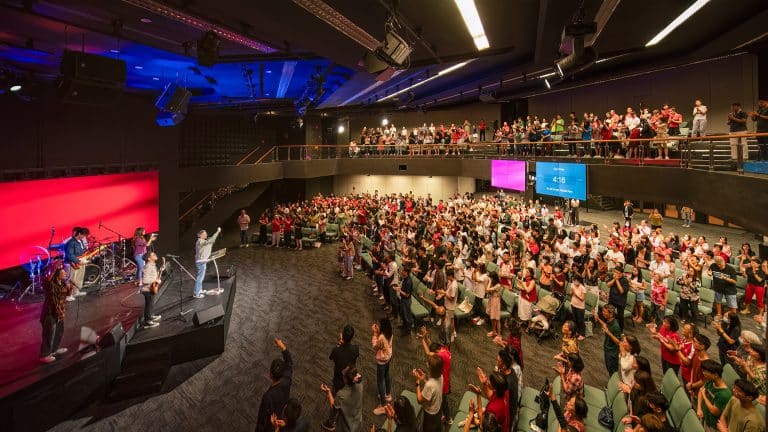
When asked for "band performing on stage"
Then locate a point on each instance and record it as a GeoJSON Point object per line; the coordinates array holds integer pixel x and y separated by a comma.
{"type": "Point", "coordinates": [83, 264]}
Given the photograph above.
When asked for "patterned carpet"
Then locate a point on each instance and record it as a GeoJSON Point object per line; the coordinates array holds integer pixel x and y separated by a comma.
{"type": "Point", "coordinates": [299, 297]}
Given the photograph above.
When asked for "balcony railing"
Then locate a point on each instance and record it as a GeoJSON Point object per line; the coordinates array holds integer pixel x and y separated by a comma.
{"type": "Point", "coordinates": [706, 152]}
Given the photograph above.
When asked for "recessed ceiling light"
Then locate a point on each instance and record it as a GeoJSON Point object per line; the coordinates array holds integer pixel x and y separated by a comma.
{"type": "Point", "coordinates": [155, 78]}
{"type": "Point", "coordinates": [138, 67]}
{"type": "Point", "coordinates": [114, 51]}
{"type": "Point", "coordinates": [266, 94]}
{"type": "Point", "coordinates": [683, 17]}
{"type": "Point", "coordinates": [15, 88]}
{"type": "Point", "coordinates": [146, 20]}
{"type": "Point", "coordinates": [468, 11]}
{"type": "Point", "coordinates": [269, 71]}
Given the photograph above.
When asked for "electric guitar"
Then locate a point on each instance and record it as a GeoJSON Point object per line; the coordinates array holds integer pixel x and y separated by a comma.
{"type": "Point", "coordinates": [155, 286]}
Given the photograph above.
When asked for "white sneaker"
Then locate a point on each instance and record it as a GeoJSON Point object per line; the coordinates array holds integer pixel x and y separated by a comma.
{"type": "Point", "coordinates": [70, 298]}
{"type": "Point", "coordinates": [480, 321]}
{"type": "Point", "coordinates": [156, 317]}
{"type": "Point", "coordinates": [61, 351]}
{"type": "Point", "coordinates": [439, 323]}
{"type": "Point", "coordinates": [151, 324]}
{"type": "Point", "coordinates": [48, 359]}
{"type": "Point", "coordinates": [80, 294]}
{"type": "Point", "coordinates": [199, 296]}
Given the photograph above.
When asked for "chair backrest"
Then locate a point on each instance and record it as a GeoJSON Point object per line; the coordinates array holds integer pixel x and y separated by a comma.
{"type": "Point", "coordinates": [612, 389]}
{"type": "Point", "coordinates": [672, 300]}
{"type": "Point", "coordinates": [707, 296]}
{"type": "Point", "coordinates": [591, 301]}
{"type": "Point", "coordinates": [630, 300]}
{"type": "Point", "coordinates": [619, 408]}
{"type": "Point", "coordinates": [669, 384]}
{"type": "Point", "coordinates": [691, 422]}
{"type": "Point", "coordinates": [678, 407]}
{"type": "Point", "coordinates": [730, 375]}
{"type": "Point", "coordinates": [509, 299]}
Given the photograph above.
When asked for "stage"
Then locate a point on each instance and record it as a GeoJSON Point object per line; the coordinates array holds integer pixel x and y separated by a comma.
{"type": "Point", "coordinates": [109, 355]}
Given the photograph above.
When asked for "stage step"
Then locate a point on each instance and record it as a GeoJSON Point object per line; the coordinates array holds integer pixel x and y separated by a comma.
{"type": "Point", "coordinates": [143, 372]}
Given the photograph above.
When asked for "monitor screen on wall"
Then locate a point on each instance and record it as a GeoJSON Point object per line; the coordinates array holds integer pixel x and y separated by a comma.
{"type": "Point", "coordinates": [565, 180]}
{"type": "Point", "coordinates": [508, 174]}
{"type": "Point", "coordinates": [39, 212]}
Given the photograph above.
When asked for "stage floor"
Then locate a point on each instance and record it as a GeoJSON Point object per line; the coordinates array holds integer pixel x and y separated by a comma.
{"type": "Point", "coordinates": [89, 317]}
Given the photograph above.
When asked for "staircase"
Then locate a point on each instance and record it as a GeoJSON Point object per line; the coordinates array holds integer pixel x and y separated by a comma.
{"type": "Point", "coordinates": [720, 154]}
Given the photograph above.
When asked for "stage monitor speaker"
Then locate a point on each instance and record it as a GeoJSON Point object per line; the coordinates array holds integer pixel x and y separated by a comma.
{"type": "Point", "coordinates": [402, 167]}
{"type": "Point", "coordinates": [207, 315]}
{"type": "Point", "coordinates": [113, 337]}
{"type": "Point", "coordinates": [91, 79]}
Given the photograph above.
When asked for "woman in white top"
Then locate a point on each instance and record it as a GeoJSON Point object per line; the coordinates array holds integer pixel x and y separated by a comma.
{"type": "Point", "coordinates": [628, 349]}
{"type": "Point", "coordinates": [481, 282]}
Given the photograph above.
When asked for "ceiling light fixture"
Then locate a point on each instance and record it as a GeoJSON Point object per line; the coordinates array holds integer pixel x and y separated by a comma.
{"type": "Point", "coordinates": [546, 82]}
{"type": "Point", "coordinates": [114, 51]}
{"type": "Point", "coordinates": [335, 19]}
{"type": "Point", "coordinates": [15, 88]}
{"type": "Point", "coordinates": [155, 79]}
{"type": "Point", "coordinates": [138, 67]}
{"type": "Point", "coordinates": [468, 11]}
{"type": "Point", "coordinates": [341, 129]}
{"type": "Point", "coordinates": [683, 17]}
{"type": "Point", "coordinates": [200, 24]}
{"type": "Point", "coordinates": [548, 75]}
{"type": "Point", "coordinates": [384, 121]}
{"type": "Point", "coordinates": [146, 20]}
{"type": "Point", "coordinates": [438, 75]}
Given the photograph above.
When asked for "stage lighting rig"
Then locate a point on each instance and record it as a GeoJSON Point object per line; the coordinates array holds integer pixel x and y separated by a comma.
{"type": "Point", "coordinates": [576, 57]}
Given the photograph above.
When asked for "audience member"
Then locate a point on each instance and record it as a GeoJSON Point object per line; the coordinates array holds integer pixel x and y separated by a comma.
{"type": "Point", "coordinates": [279, 391]}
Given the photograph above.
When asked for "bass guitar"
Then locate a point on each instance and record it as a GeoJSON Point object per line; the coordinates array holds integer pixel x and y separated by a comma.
{"type": "Point", "coordinates": [155, 286]}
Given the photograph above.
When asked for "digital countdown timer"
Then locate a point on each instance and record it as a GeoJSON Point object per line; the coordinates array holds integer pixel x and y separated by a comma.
{"type": "Point", "coordinates": [564, 180]}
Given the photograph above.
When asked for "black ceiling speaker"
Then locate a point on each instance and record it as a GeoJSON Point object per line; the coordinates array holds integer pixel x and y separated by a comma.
{"type": "Point", "coordinates": [173, 104]}
{"type": "Point", "coordinates": [208, 49]}
{"type": "Point", "coordinates": [90, 79]}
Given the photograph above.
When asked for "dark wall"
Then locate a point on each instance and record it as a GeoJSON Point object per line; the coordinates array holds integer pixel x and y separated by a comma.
{"type": "Point", "coordinates": [717, 83]}
{"type": "Point", "coordinates": [739, 199]}
{"type": "Point", "coordinates": [47, 133]}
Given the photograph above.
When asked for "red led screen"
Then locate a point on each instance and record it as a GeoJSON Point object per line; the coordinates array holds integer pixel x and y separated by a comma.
{"type": "Point", "coordinates": [121, 202]}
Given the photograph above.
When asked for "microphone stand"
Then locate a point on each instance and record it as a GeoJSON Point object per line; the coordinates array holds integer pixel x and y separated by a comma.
{"type": "Point", "coordinates": [182, 312]}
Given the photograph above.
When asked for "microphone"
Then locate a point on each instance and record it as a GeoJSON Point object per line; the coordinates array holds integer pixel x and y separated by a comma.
{"type": "Point", "coordinates": [172, 256]}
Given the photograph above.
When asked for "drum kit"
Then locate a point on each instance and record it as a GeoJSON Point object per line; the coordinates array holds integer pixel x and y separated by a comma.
{"type": "Point", "coordinates": [108, 265]}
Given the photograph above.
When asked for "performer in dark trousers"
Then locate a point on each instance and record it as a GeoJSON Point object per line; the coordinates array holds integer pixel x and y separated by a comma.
{"type": "Point", "coordinates": [151, 277]}
{"type": "Point", "coordinates": [52, 315]}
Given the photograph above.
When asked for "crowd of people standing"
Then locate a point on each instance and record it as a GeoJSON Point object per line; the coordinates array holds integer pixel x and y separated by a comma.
{"type": "Point", "coordinates": [449, 245]}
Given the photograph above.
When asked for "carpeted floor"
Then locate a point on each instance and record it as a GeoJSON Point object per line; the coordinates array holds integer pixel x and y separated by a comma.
{"type": "Point", "coordinates": [299, 297]}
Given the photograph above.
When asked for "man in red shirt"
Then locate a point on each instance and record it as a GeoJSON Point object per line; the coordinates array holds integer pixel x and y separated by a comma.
{"type": "Point", "coordinates": [432, 348]}
{"type": "Point", "coordinates": [481, 127]}
{"type": "Point", "coordinates": [675, 118]}
{"type": "Point", "coordinates": [277, 226]}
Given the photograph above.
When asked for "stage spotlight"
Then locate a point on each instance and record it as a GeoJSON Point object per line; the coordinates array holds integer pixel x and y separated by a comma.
{"type": "Point", "coordinates": [384, 121]}
{"type": "Point", "coordinates": [341, 129]}
{"type": "Point", "coordinates": [15, 88]}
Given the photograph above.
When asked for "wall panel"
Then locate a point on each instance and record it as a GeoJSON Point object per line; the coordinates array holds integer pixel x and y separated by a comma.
{"type": "Point", "coordinates": [717, 83]}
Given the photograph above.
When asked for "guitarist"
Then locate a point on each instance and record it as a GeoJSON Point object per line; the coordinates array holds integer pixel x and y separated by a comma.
{"type": "Point", "coordinates": [150, 284]}
{"type": "Point", "coordinates": [75, 265]}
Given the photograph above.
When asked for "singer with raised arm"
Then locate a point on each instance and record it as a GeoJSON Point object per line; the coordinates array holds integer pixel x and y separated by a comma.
{"type": "Point", "coordinates": [150, 285]}
{"type": "Point", "coordinates": [74, 262]}
{"type": "Point", "coordinates": [202, 254]}
{"type": "Point", "coordinates": [52, 315]}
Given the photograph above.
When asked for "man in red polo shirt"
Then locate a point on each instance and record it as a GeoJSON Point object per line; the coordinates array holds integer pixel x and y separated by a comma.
{"type": "Point", "coordinates": [675, 118]}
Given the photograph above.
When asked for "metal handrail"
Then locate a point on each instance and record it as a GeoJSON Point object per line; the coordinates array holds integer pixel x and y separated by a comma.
{"type": "Point", "coordinates": [475, 150]}
{"type": "Point", "coordinates": [240, 162]}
